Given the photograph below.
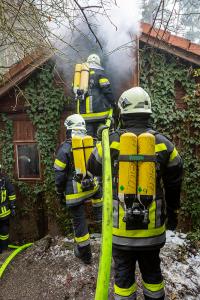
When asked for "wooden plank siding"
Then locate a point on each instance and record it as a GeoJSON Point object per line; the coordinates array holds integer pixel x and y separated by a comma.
{"type": "Point", "coordinates": [24, 131]}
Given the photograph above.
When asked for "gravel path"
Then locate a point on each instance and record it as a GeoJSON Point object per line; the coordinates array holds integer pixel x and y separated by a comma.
{"type": "Point", "coordinates": [48, 270]}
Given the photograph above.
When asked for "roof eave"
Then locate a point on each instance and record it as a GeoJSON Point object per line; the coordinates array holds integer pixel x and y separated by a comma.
{"type": "Point", "coordinates": [184, 54]}
{"type": "Point", "coordinates": [25, 73]}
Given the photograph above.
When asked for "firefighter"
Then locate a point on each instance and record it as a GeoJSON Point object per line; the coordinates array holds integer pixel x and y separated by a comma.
{"type": "Point", "coordinates": [139, 216]}
{"type": "Point", "coordinates": [73, 186]}
{"type": "Point", "coordinates": [7, 208]}
{"type": "Point", "coordinates": [95, 96]}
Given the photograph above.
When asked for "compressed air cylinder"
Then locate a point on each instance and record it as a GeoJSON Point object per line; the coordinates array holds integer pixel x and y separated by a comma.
{"type": "Point", "coordinates": [88, 145]}
{"type": "Point", "coordinates": [84, 77]}
{"type": "Point", "coordinates": [127, 169]}
{"type": "Point", "coordinates": [146, 169]}
{"type": "Point", "coordinates": [77, 77]}
{"type": "Point", "coordinates": [78, 154]}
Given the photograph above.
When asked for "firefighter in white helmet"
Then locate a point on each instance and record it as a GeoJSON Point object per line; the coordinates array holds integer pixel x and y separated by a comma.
{"type": "Point", "coordinates": [72, 189]}
{"type": "Point", "coordinates": [94, 97]}
{"type": "Point", "coordinates": [147, 175]}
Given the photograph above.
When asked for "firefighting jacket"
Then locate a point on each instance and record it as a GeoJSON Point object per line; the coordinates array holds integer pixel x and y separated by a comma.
{"type": "Point", "coordinates": [65, 179]}
{"type": "Point", "coordinates": [97, 103]}
{"type": "Point", "coordinates": [168, 183]}
{"type": "Point", "coordinates": [8, 196]}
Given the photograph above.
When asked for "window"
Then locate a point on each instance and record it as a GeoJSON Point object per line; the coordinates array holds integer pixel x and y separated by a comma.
{"type": "Point", "coordinates": [28, 161]}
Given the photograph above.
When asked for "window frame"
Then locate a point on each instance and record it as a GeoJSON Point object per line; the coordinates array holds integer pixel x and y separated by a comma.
{"type": "Point", "coordinates": [26, 142]}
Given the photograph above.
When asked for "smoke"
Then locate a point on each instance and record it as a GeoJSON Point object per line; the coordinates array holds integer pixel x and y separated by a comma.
{"type": "Point", "coordinates": [119, 36]}
{"type": "Point", "coordinates": [115, 26]}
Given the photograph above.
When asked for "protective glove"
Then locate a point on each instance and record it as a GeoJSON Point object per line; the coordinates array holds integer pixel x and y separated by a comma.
{"type": "Point", "coordinates": [100, 130]}
{"type": "Point", "coordinates": [87, 183]}
{"type": "Point", "coordinates": [172, 220]}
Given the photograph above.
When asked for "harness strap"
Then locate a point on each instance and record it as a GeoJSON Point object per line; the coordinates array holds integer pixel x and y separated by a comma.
{"type": "Point", "coordinates": [138, 157]}
{"type": "Point", "coordinates": [87, 147]}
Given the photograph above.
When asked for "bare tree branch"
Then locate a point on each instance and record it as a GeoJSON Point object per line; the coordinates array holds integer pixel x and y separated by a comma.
{"type": "Point", "coordinates": [89, 25]}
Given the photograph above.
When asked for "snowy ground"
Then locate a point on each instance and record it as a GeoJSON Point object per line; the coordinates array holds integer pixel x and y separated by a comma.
{"type": "Point", "coordinates": [181, 267]}
{"type": "Point", "coordinates": [49, 270]}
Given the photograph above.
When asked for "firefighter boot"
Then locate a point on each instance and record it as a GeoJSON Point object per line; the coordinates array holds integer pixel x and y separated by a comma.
{"type": "Point", "coordinates": [83, 253]}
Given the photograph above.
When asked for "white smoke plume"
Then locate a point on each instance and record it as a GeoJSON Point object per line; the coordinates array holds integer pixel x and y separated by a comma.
{"type": "Point", "coordinates": [116, 27]}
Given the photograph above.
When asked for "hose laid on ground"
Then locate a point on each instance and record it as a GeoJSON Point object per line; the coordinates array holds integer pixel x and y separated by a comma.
{"type": "Point", "coordinates": [106, 241]}
{"type": "Point", "coordinates": [17, 250]}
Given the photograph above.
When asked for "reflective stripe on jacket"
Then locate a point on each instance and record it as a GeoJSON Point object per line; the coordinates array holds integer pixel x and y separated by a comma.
{"type": "Point", "coordinates": [64, 177]}
{"type": "Point", "coordinates": [168, 171]}
{"type": "Point", "coordinates": [8, 196]}
{"type": "Point", "coordinates": [97, 103]}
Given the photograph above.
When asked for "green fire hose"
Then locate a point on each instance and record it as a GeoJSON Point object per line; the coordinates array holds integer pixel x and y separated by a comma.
{"type": "Point", "coordinates": [106, 242]}
{"type": "Point", "coordinates": [17, 250]}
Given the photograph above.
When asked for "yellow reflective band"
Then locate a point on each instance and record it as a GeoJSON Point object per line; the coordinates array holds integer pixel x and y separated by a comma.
{"type": "Point", "coordinates": [99, 114]}
{"type": "Point", "coordinates": [94, 201]}
{"type": "Point", "coordinates": [87, 105]}
{"type": "Point", "coordinates": [3, 195]}
{"type": "Point", "coordinates": [125, 292]}
{"type": "Point", "coordinates": [4, 237]}
{"type": "Point", "coordinates": [115, 145]}
{"type": "Point", "coordinates": [82, 194]}
{"type": "Point", "coordinates": [153, 287]}
{"type": "Point", "coordinates": [79, 187]}
{"type": "Point", "coordinates": [103, 80]}
{"type": "Point", "coordinates": [139, 233]}
{"type": "Point", "coordinates": [152, 215]}
{"type": "Point", "coordinates": [4, 213]}
{"type": "Point", "coordinates": [173, 154]}
{"type": "Point", "coordinates": [160, 147]}
{"type": "Point", "coordinates": [12, 197]}
{"type": "Point", "coordinates": [60, 163]}
{"type": "Point", "coordinates": [92, 72]}
{"type": "Point", "coordinates": [82, 238]}
{"type": "Point", "coordinates": [99, 149]}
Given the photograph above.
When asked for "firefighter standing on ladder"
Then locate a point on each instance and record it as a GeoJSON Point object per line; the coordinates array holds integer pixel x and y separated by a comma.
{"type": "Point", "coordinates": [7, 208]}
{"type": "Point", "coordinates": [74, 185]}
{"type": "Point", "coordinates": [93, 94]}
{"type": "Point", "coordinates": [142, 159]}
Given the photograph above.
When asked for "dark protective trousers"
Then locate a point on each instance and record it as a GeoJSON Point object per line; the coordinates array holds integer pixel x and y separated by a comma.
{"type": "Point", "coordinates": [149, 264]}
{"type": "Point", "coordinates": [80, 226]}
{"type": "Point", "coordinates": [4, 233]}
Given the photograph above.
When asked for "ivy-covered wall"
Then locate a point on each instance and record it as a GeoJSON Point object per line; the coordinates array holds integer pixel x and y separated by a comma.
{"type": "Point", "coordinates": [46, 104]}
{"type": "Point", "coordinates": [159, 74]}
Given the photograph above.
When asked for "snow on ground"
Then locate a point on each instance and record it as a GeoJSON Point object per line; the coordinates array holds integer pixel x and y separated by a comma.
{"type": "Point", "coordinates": [181, 267]}
{"type": "Point", "coordinates": [48, 270]}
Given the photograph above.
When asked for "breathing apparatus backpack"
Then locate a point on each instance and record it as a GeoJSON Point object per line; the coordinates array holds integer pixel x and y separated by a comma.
{"type": "Point", "coordinates": [82, 148]}
{"type": "Point", "coordinates": [137, 177]}
{"type": "Point", "coordinates": [81, 80]}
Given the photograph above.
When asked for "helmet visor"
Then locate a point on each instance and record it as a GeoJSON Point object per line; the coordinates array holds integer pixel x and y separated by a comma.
{"type": "Point", "coordinates": [78, 132]}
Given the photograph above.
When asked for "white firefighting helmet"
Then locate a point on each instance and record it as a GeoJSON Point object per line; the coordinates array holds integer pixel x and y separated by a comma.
{"type": "Point", "coordinates": [94, 59]}
{"type": "Point", "coordinates": [75, 122]}
{"type": "Point", "coordinates": [134, 100]}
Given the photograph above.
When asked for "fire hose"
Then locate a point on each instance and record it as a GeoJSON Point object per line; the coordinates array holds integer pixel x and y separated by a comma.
{"type": "Point", "coordinates": [17, 250]}
{"type": "Point", "coordinates": [106, 241]}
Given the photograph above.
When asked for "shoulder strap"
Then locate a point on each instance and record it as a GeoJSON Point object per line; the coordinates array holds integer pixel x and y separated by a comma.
{"type": "Point", "coordinates": [154, 132]}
